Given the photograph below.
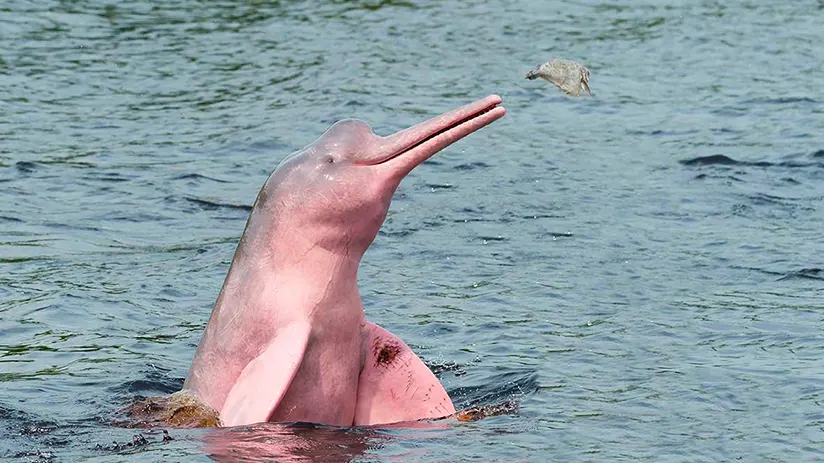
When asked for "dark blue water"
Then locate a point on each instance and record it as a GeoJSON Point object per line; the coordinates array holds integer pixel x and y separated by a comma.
{"type": "Point", "coordinates": [641, 270]}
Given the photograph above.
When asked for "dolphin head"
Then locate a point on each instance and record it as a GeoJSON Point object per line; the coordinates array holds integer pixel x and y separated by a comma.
{"type": "Point", "coordinates": [335, 193]}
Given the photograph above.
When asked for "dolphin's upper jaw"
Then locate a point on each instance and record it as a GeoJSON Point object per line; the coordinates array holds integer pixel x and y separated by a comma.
{"type": "Point", "coordinates": [424, 137]}
{"type": "Point", "coordinates": [423, 140]}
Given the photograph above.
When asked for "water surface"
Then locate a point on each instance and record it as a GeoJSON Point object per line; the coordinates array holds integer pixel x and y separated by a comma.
{"type": "Point", "coordinates": [642, 270]}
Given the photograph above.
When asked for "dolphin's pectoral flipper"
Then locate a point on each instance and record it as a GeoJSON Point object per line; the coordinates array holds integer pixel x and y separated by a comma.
{"type": "Point", "coordinates": [395, 385]}
{"type": "Point", "coordinates": [265, 380]}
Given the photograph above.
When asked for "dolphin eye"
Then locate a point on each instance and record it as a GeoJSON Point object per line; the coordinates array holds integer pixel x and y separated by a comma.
{"type": "Point", "coordinates": [330, 159]}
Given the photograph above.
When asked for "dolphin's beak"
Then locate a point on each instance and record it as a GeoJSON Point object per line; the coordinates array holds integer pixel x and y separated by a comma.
{"type": "Point", "coordinates": [410, 147]}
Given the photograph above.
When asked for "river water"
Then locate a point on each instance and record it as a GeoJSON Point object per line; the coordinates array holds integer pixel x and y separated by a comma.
{"type": "Point", "coordinates": [642, 270]}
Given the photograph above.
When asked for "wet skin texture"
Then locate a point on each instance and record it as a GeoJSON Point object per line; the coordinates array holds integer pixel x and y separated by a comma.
{"type": "Point", "coordinates": [288, 339]}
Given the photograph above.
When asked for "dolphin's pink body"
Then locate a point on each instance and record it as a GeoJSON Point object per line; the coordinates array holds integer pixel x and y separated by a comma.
{"type": "Point", "coordinates": [288, 339]}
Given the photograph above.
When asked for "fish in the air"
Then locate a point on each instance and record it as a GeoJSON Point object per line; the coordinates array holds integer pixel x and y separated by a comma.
{"type": "Point", "coordinates": [569, 76]}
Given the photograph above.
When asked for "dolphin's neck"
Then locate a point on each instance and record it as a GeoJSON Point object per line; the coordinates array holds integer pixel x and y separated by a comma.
{"type": "Point", "coordinates": [296, 275]}
{"type": "Point", "coordinates": [271, 284]}
{"type": "Point", "coordinates": [314, 267]}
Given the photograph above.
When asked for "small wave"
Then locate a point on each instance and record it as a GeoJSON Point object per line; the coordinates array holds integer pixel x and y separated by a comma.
{"type": "Point", "coordinates": [27, 167]}
{"type": "Point", "coordinates": [660, 132]}
{"type": "Point", "coordinates": [25, 424]}
{"type": "Point", "coordinates": [487, 238]}
{"type": "Point", "coordinates": [35, 433]}
{"type": "Point", "coordinates": [722, 160]}
{"type": "Point", "coordinates": [805, 273]}
{"type": "Point", "coordinates": [378, 5]}
{"type": "Point", "coordinates": [809, 273]}
{"type": "Point", "coordinates": [439, 186]}
{"type": "Point", "coordinates": [198, 177]}
{"type": "Point", "coordinates": [106, 177]}
{"type": "Point", "coordinates": [781, 100]}
{"type": "Point", "coordinates": [472, 166]}
{"type": "Point", "coordinates": [397, 234]}
{"type": "Point", "coordinates": [726, 177]}
{"type": "Point", "coordinates": [211, 205]}
{"type": "Point", "coordinates": [497, 388]}
{"type": "Point", "coordinates": [152, 382]}
{"type": "Point", "coordinates": [439, 368]}
{"type": "Point", "coordinates": [138, 440]}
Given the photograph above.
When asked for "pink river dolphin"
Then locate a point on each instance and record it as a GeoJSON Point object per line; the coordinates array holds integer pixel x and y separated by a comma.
{"type": "Point", "coordinates": [288, 339]}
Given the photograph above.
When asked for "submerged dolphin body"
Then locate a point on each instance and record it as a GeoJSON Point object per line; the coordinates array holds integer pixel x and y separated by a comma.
{"type": "Point", "coordinates": [288, 339]}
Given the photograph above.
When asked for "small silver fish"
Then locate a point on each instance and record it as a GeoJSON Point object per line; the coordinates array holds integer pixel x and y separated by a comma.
{"type": "Point", "coordinates": [569, 76]}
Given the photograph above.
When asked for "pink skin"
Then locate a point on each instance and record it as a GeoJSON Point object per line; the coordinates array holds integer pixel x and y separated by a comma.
{"type": "Point", "coordinates": [288, 339]}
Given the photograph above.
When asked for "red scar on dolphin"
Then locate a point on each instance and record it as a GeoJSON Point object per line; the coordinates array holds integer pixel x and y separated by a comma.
{"type": "Point", "coordinates": [288, 338]}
